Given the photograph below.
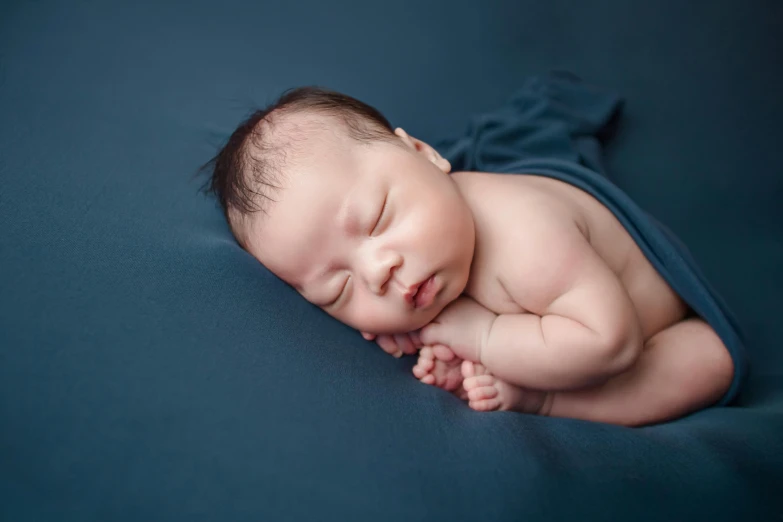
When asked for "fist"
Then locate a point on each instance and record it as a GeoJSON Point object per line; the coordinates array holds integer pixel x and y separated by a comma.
{"type": "Point", "coordinates": [396, 345]}
{"type": "Point", "coordinates": [463, 326]}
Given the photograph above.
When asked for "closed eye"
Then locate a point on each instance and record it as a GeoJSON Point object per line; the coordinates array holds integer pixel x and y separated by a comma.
{"type": "Point", "coordinates": [339, 296]}
{"type": "Point", "coordinates": [380, 215]}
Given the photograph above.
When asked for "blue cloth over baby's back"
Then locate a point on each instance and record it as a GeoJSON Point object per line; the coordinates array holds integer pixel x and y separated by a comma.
{"type": "Point", "coordinates": [554, 126]}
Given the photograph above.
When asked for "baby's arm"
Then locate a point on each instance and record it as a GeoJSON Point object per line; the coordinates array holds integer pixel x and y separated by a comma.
{"type": "Point", "coordinates": [584, 328]}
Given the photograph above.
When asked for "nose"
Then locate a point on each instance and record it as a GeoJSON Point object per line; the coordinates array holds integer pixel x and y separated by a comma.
{"type": "Point", "coordinates": [378, 267]}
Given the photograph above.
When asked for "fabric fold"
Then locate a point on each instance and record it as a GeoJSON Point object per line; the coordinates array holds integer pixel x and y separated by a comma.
{"type": "Point", "coordinates": [555, 126]}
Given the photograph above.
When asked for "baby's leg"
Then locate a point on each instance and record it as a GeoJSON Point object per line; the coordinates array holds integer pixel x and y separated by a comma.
{"type": "Point", "coordinates": [485, 392]}
{"type": "Point", "coordinates": [682, 369]}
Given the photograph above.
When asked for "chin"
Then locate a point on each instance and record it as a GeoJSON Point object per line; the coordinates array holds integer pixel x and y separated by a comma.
{"type": "Point", "coordinates": [425, 320]}
{"type": "Point", "coordinates": [415, 323]}
{"type": "Point", "coordinates": [459, 283]}
{"type": "Point", "coordinates": [432, 313]}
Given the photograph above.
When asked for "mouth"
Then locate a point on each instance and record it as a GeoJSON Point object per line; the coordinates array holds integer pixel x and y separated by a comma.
{"type": "Point", "coordinates": [422, 294]}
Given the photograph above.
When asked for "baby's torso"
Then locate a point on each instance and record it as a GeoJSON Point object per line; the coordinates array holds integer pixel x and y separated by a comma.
{"type": "Point", "coordinates": [501, 202]}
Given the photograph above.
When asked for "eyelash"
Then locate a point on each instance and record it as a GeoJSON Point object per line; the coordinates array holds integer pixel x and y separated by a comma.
{"type": "Point", "coordinates": [377, 222]}
{"type": "Point", "coordinates": [380, 216]}
{"type": "Point", "coordinates": [339, 296]}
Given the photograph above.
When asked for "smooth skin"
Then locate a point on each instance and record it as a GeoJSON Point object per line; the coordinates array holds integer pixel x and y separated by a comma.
{"type": "Point", "coordinates": [544, 304]}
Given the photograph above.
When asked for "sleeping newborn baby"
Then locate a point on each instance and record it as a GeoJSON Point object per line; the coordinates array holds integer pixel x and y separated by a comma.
{"type": "Point", "coordinates": [519, 292]}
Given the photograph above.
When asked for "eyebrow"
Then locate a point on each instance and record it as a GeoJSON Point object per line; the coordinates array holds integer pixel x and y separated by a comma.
{"type": "Point", "coordinates": [348, 218]}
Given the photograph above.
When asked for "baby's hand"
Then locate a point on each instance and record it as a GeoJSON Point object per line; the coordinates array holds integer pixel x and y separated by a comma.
{"type": "Point", "coordinates": [398, 344]}
{"type": "Point", "coordinates": [463, 326]}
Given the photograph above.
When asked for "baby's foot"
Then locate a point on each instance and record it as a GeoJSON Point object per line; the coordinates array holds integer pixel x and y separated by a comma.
{"type": "Point", "coordinates": [487, 393]}
{"type": "Point", "coordinates": [440, 367]}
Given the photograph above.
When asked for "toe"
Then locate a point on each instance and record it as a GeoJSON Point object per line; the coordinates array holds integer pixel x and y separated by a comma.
{"type": "Point", "coordinates": [426, 364]}
{"type": "Point", "coordinates": [453, 381]}
{"type": "Point", "coordinates": [485, 405]}
{"type": "Point", "coordinates": [482, 393]}
{"type": "Point", "coordinates": [422, 368]}
{"type": "Point", "coordinates": [478, 381]}
{"type": "Point", "coordinates": [467, 369]}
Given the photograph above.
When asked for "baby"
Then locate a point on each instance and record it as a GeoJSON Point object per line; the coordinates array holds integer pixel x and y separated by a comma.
{"type": "Point", "coordinates": [519, 292]}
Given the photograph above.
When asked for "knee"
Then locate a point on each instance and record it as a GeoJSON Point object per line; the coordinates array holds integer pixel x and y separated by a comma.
{"type": "Point", "coordinates": [716, 362]}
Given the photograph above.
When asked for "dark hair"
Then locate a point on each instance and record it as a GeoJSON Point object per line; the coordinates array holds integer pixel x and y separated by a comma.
{"type": "Point", "coordinates": [246, 169]}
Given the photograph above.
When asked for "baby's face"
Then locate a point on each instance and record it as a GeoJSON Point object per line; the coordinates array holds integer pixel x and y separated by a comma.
{"type": "Point", "coordinates": [376, 235]}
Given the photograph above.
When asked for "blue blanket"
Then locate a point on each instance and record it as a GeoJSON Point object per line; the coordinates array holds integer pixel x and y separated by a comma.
{"type": "Point", "coordinates": [554, 126]}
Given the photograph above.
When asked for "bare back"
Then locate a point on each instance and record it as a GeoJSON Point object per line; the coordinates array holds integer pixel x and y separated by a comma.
{"type": "Point", "coordinates": [508, 212]}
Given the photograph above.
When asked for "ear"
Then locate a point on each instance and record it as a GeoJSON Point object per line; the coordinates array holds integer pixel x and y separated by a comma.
{"type": "Point", "coordinates": [424, 149]}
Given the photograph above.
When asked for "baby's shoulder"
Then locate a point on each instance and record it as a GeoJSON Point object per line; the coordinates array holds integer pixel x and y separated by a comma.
{"type": "Point", "coordinates": [521, 202]}
{"type": "Point", "coordinates": [522, 217]}
{"type": "Point", "coordinates": [524, 229]}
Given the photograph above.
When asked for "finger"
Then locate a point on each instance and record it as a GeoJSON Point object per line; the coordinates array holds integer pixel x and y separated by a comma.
{"type": "Point", "coordinates": [403, 343]}
{"type": "Point", "coordinates": [368, 336]}
{"type": "Point", "coordinates": [443, 353]}
{"type": "Point", "coordinates": [414, 346]}
{"type": "Point", "coordinates": [410, 351]}
{"type": "Point", "coordinates": [428, 379]}
{"type": "Point", "coordinates": [387, 344]}
{"type": "Point", "coordinates": [416, 339]}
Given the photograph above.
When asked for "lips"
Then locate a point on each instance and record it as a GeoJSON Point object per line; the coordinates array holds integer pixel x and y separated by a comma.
{"type": "Point", "coordinates": [423, 294]}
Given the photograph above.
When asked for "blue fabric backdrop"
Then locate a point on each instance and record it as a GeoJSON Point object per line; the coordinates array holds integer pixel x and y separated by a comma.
{"type": "Point", "coordinates": [151, 370]}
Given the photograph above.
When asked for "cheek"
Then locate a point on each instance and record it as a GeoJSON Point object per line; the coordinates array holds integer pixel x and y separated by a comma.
{"type": "Point", "coordinates": [367, 312]}
{"type": "Point", "coordinates": [399, 324]}
{"type": "Point", "coordinates": [433, 210]}
{"type": "Point", "coordinates": [377, 316]}
{"type": "Point", "coordinates": [448, 218]}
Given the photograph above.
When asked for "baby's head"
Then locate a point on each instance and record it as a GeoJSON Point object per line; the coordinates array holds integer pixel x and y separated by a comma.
{"type": "Point", "coordinates": [361, 219]}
